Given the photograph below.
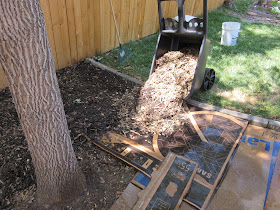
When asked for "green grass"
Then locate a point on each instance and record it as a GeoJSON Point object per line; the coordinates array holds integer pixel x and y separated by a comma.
{"type": "Point", "coordinates": [240, 6]}
{"type": "Point", "coordinates": [247, 75]}
{"type": "Point", "coordinates": [275, 3]}
{"type": "Point", "coordinates": [138, 65]}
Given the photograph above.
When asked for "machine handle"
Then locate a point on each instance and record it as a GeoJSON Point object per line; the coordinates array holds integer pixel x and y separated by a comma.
{"type": "Point", "coordinates": [181, 14]}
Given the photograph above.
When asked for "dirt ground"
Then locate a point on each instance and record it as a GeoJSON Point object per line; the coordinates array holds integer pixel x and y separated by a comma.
{"type": "Point", "coordinates": [89, 95]}
{"type": "Point", "coordinates": [254, 15]}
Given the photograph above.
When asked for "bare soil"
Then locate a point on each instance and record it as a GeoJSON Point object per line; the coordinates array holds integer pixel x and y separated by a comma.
{"type": "Point", "coordinates": [92, 100]}
{"type": "Point", "coordinates": [254, 15]}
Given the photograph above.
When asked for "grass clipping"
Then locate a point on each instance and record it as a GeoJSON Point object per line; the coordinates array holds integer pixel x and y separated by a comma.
{"type": "Point", "coordinates": [160, 101]}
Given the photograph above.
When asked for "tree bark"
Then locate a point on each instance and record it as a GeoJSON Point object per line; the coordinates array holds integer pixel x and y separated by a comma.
{"type": "Point", "coordinates": [26, 59]}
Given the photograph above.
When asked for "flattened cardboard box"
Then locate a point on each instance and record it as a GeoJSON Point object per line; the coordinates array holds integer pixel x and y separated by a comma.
{"type": "Point", "coordinates": [136, 155]}
{"type": "Point", "coordinates": [222, 133]}
{"type": "Point", "coordinates": [247, 181]}
{"type": "Point", "coordinates": [273, 201]}
{"type": "Point", "coordinates": [168, 185]}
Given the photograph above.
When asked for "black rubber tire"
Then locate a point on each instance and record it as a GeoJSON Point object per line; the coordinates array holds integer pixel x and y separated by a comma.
{"type": "Point", "coordinates": [209, 79]}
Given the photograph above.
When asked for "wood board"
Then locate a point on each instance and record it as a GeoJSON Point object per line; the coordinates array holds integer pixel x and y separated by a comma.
{"type": "Point", "coordinates": [169, 184]}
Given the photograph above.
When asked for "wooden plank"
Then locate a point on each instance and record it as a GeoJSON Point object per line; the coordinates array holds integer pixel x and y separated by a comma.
{"type": "Point", "coordinates": [154, 21]}
{"type": "Point", "coordinates": [165, 8]}
{"type": "Point", "coordinates": [72, 31]}
{"type": "Point", "coordinates": [85, 28]}
{"type": "Point", "coordinates": [132, 14]}
{"type": "Point", "coordinates": [198, 9]}
{"type": "Point", "coordinates": [148, 21]}
{"type": "Point", "coordinates": [58, 39]}
{"type": "Point", "coordinates": [169, 184]}
{"type": "Point", "coordinates": [79, 29]}
{"type": "Point", "coordinates": [102, 26]}
{"type": "Point", "coordinates": [140, 17]}
{"type": "Point", "coordinates": [97, 26]}
{"type": "Point", "coordinates": [117, 9]}
{"type": "Point", "coordinates": [125, 4]}
{"type": "Point", "coordinates": [64, 33]}
{"type": "Point", "coordinates": [112, 25]}
{"type": "Point", "coordinates": [173, 9]}
{"type": "Point", "coordinates": [47, 14]}
{"type": "Point", "coordinates": [91, 28]}
{"type": "Point", "coordinates": [106, 35]}
{"type": "Point", "coordinates": [134, 25]}
{"type": "Point", "coordinates": [191, 7]}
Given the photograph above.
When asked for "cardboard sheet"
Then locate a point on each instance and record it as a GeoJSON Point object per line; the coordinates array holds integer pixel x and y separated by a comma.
{"type": "Point", "coordinates": [136, 155]}
{"type": "Point", "coordinates": [273, 198]}
{"type": "Point", "coordinates": [222, 133]}
{"type": "Point", "coordinates": [253, 176]}
{"type": "Point", "coordinates": [169, 184]}
{"type": "Point", "coordinates": [248, 180]}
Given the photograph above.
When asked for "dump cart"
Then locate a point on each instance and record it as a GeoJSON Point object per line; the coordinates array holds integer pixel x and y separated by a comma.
{"type": "Point", "coordinates": [178, 33]}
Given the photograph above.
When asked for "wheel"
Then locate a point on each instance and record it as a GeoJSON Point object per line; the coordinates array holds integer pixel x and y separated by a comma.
{"type": "Point", "coordinates": [209, 79]}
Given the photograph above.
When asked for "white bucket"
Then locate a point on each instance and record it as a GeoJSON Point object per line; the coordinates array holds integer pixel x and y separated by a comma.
{"type": "Point", "coordinates": [230, 33]}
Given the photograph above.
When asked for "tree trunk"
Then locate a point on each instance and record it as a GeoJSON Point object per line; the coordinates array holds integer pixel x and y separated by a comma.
{"type": "Point", "coordinates": [26, 58]}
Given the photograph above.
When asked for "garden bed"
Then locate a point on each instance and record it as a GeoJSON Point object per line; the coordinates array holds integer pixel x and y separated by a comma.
{"type": "Point", "coordinates": [92, 105]}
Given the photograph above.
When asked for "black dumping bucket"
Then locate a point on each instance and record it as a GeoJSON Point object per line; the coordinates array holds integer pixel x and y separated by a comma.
{"type": "Point", "coordinates": [178, 34]}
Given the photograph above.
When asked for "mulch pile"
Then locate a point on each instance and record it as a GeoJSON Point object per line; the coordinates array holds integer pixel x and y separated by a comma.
{"type": "Point", "coordinates": [159, 108]}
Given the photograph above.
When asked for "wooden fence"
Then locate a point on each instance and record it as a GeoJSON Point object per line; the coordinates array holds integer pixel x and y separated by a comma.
{"type": "Point", "coordinates": [81, 28]}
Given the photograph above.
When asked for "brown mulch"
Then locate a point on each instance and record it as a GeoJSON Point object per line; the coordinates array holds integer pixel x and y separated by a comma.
{"type": "Point", "coordinates": [160, 102]}
{"type": "Point", "coordinates": [90, 98]}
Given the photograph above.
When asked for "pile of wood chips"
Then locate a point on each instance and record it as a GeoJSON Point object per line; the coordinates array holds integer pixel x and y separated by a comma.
{"type": "Point", "coordinates": [159, 108]}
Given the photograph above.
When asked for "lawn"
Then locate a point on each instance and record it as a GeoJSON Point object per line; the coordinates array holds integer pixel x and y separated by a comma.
{"type": "Point", "coordinates": [247, 75]}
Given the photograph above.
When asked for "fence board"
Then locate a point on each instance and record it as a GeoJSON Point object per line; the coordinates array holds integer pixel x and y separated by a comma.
{"type": "Point", "coordinates": [91, 28]}
{"type": "Point", "coordinates": [106, 12]}
{"type": "Point", "coordinates": [81, 28]}
{"type": "Point", "coordinates": [85, 27]}
{"type": "Point", "coordinates": [46, 10]}
{"type": "Point", "coordinates": [64, 32]}
{"type": "Point", "coordinates": [72, 31]}
{"type": "Point", "coordinates": [117, 10]}
{"type": "Point", "coordinates": [97, 26]}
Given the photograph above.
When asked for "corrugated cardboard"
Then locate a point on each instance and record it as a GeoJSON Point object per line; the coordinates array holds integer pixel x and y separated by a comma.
{"type": "Point", "coordinates": [247, 181]}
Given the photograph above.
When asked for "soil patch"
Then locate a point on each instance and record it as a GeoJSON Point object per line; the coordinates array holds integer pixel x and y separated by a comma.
{"type": "Point", "coordinates": [93, 106]}
{"type": "Point", "coordinates": [256, 16]}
